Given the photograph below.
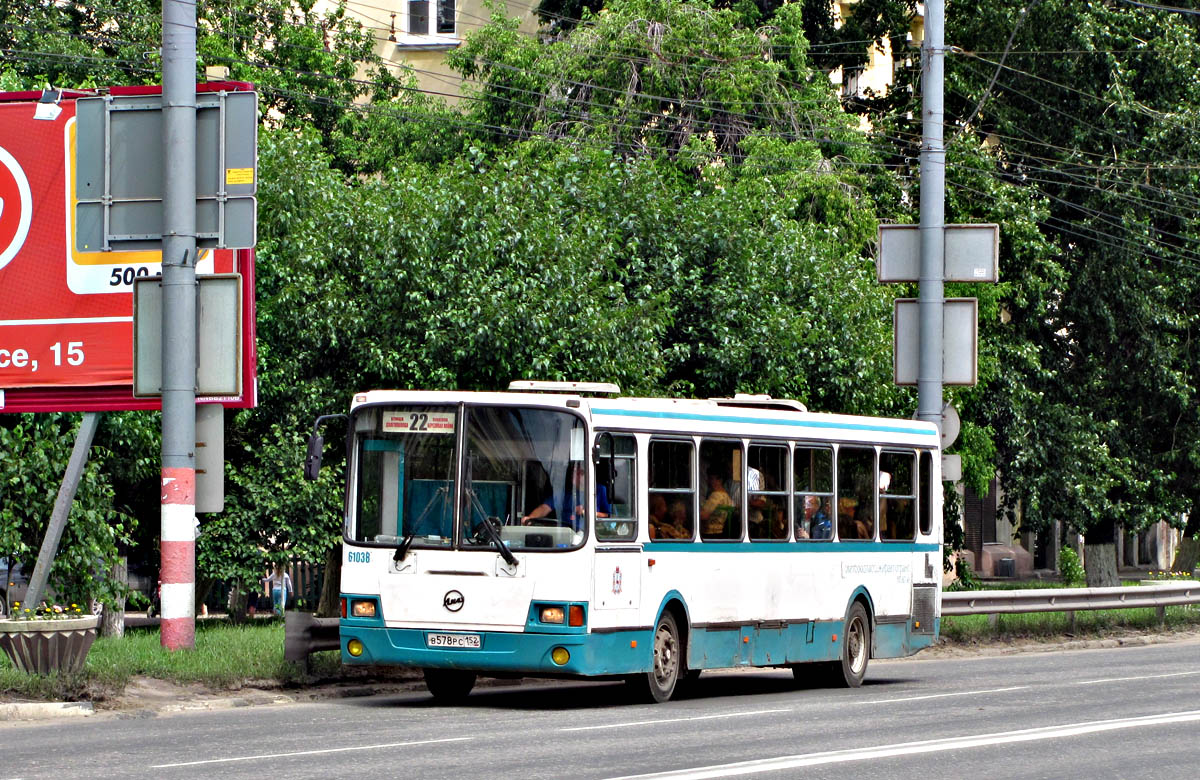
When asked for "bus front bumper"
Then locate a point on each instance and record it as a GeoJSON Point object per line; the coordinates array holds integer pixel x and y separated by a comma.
{"type": "Point", "coordinates": [621, 652]}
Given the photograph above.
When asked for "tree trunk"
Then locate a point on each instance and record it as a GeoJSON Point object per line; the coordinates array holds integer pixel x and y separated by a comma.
{"type": "Point", "coordinates": [1187, 555]}
{"type": "Point", "coordinates": [237, 603]}
{"type": "Point", "coordinates": [112, 622]}
{"type": "Point", "coordinates": [331, 583]}
{"type": "Point", "coordinates": [1100, 555]}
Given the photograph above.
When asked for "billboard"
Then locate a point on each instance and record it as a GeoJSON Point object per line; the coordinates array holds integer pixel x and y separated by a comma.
{"type": "Point", "coordinates": [66, 317]}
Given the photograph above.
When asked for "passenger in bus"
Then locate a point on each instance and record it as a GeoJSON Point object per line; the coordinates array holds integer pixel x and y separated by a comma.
{"type": "Point", "coordinates": [678, 525]}
{"type": "Point", "coordinates": [717, 506]}
{"type": "Point", "coordinates": [658, 515]}
{"type": "Point", "coordinates": [754, 483]}
{"type": "Point", "coordinates": [816, 517]}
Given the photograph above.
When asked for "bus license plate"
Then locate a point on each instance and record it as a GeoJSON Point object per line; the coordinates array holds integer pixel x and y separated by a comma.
{"type": "Point", "coordinates": [469, 641]}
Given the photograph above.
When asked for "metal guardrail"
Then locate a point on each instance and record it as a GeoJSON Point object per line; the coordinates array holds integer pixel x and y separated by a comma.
{"type": "Point", "coordinates": [1011, 602]}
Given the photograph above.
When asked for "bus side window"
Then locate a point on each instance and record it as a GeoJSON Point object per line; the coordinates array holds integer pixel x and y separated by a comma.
{"type": "Point", "coordinates": [812, 490]}
{"type": "Point", "coordinates": [672, 491]}
{"type": "Point", "coordinates": [766, 492]}
{"type": "Point", "coordinates": [897, 496]}
{"type": "Point", "coordinates": [721, 497]}
{"type": "Point", "coordinates": [926, 493]}
{"type": "Point", "coordinates": [620, 524]}
{"type": "Point", "coordinates": [856, 493]}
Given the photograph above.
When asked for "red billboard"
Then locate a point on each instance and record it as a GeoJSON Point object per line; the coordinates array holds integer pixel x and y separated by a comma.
{"type": "Point", "coordinates": [66, 317]}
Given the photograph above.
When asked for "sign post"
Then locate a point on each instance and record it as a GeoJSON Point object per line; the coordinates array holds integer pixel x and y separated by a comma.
{"type": "Point", "coordinates": [178, 571]}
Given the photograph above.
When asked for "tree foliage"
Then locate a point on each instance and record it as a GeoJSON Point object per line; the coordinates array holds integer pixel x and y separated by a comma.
{"type": "Point", "coordinates": [1116, 378]}
{"type": "Point", "coordinates": [35, 450]}
{"type": "Point", "coordinates": [670, 196]}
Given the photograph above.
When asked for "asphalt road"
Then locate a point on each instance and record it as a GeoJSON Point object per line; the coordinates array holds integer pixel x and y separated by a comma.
{"type": "Point", "coordinates": [1127, 712]}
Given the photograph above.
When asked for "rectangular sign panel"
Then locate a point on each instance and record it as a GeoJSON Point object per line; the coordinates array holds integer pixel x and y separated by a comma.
{"type": "Point", "coordinates": [972, 253]}
{"type": "Point", "coordinates": [218, 341]}
{"type": "Point", "coordinates": [119, 163]}
{"type": "Point", "coordinates": [960, 341]}
{"type": "Point", "coordinates": [66, 317]}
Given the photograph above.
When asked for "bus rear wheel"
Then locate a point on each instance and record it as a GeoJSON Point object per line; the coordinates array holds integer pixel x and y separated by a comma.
{"type": "Point", "coordinates": [851, 668]}
{"type": "Point", "coordinates": [449, 685]}
{"type": "Point", "coordinates": [666, 664]}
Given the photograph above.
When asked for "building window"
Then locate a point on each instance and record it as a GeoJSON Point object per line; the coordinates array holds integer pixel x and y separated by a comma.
{"type": "Point", "coordinates": [852, 82]}
{"type": "Point", "coordinates": [422, 22]}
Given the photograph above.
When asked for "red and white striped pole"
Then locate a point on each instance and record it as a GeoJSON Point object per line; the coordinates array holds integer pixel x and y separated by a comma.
{"type": "Point", "coordinates": [178, 573]}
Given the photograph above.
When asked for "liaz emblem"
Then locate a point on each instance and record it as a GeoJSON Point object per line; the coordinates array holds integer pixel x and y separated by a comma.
{"type": "Point", "coordinates": [616, 580]}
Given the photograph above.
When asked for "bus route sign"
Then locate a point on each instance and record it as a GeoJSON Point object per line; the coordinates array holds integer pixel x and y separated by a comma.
{"type": "Point", "coordinates": [66, 317]}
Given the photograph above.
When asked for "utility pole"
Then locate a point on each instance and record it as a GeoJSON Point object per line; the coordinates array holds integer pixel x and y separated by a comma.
{"type": "Point", "coordinates": [178, 550]}
{"type": "Point", "coordinates": [931, 292]}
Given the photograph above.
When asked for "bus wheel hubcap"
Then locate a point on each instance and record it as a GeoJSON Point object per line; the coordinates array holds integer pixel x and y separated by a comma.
{"type": "Point", "coordinates": [665, 655]}
{"type": "Point", "coordinates": [855, 645]}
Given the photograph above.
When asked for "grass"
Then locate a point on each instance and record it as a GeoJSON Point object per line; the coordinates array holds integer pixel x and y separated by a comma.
{"type": "Point", "coordinates": [226, 657]}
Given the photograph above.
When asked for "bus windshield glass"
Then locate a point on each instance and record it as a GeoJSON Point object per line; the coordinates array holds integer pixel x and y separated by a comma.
{"type": "Point", "coordinates": [525, 475]}
{"type": "Point", "coordinates": [523, 472]}
{"type": "Point", "coordinates": [405, 480]}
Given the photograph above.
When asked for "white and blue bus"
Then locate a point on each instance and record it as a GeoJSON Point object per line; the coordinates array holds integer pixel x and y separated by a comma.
{"type": "Point", "coordinates": [561, 530]}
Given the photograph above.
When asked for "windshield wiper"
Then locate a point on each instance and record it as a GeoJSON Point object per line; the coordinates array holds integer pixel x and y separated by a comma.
{"type": "Point", "coordinates": [402, 550]}
{"type": "Point", "coordinates": [491, 531]}
{"type": "Point", "coordinates": [494, 535]}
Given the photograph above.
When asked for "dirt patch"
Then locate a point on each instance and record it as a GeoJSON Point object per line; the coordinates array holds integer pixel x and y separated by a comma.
{"type": "Point", "coordinates": [948, 648]}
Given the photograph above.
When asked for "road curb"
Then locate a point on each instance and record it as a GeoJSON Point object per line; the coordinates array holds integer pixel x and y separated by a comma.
{"type": "Point", "coordinates": [44, 710]}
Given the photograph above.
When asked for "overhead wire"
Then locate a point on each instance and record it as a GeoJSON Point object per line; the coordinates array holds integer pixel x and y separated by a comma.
{"type": "Point", "coordinates": [509, 131]}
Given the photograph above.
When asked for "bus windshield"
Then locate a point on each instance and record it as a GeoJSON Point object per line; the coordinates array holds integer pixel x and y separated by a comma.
{"type": "Point", "coordinates": [522, 470]}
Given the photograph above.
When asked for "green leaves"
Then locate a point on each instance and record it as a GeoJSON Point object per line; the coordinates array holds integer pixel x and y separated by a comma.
{"type": "Point", "coordinates": [35, 450]}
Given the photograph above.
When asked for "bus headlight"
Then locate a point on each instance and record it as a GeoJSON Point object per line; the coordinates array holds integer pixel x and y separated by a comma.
{"type": "Point", "coordinates": [354, 648]}
{"type": "Point", "coordinates": [363, 608]}
{"type": "Point", "coordinates": [560, 656]}
{"type": "Point", "coordinates": [552, 615]}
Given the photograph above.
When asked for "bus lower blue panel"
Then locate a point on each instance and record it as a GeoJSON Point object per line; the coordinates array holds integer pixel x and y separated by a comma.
{"type": "Point", "coordinates": [763, 646]}
{"type": "Point", "coordinates": [795, 643]}
{"type": "Point", "coordinates": [896, 640]}
{"type": "Point", "coordinates": [624, 652]}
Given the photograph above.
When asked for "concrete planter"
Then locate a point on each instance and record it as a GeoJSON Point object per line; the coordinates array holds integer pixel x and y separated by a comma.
{"type": "Point", "coordinates": [45, 646]}
{"type": "Point", "coordinates": [1161, 582]}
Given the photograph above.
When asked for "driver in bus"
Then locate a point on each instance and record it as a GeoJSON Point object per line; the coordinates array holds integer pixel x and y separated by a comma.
{"type": "Point", "coordinates": [577, 516]}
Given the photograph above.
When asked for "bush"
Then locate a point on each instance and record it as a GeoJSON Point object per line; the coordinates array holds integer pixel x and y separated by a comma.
{"type": "Point", "coordinates": [966, 577]}
{"type": "Point", "coordinates": [1069, 568]}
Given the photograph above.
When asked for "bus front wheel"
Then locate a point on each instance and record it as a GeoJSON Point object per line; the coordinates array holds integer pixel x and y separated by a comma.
{"type": "Point", "coordinates": [449, 685]}
{"type": "Point", "coordinates": [666, 664]}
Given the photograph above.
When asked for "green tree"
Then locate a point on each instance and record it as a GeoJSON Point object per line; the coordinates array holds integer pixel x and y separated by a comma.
{"type": "Point", "coordinates": [1092, 105]}
{"type": "Point", "coordinates": [36, 450]}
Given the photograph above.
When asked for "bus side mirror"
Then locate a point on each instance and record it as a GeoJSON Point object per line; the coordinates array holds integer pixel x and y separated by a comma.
{"type": "Point", "coordinates": [316, 443]}
{"type": "Point", "coordinates": [312, 462]}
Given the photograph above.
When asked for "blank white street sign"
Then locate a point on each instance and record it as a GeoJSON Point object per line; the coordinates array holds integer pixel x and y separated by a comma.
{"type": "Point", "coordinates": [960, 341]}
{"type": "Point", "coordinates": [972, 253]}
